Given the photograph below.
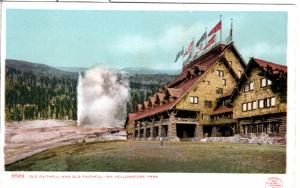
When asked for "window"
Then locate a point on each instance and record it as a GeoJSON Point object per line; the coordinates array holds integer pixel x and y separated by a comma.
{"type": "Point", "coordinates": [239, 73]}
{"type": "Point", "coordinates": [219, 91]}
{"type": "Point", "coordinates": [244, 109]}
{"type": "Point", "coordinates": [269, 82]}
{"type": "Point", "coordinates": [208, 104]}
{"type": "Point", "coordinates": [261, 103]}
{"type": "Point", "coordinates": [224, 82]}
{"type": "Point", "coordinates": [267, 102]}
{"type": "Point", "coordinates": [207, 82]}
{"type": "Point", "coordinates": [263, 82]}
{"type": "Point", "coordinates": [249, 106]}
{"type": "Point", "coordinates": [220, 73]}
{"type": "Point", "coordinates": [193, 100]}
{"type": "Point", "coordinates": [230, 63]}
{"type": "Point", "coordinates": [251, 86]}
{"type": "Point", "coordinates": [273, 101]}
{"type": "Point", "coordinates": [246, 87]}
{"type": "Point", "coordinates": [254, 105]}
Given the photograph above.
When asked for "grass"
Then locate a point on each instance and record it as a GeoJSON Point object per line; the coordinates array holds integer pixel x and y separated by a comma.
{"type": "Point", "coordinates": [148, 156]}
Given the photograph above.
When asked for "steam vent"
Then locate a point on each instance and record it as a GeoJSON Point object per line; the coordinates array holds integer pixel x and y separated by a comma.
{"type": "Point", "coordinates": [216, 95]}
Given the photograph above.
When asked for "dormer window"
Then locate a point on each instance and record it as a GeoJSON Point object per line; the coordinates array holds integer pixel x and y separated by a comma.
{"type": "Point", "coordinates": [265, 82]}
{"type": "Point", "coordinates": [193, 100]}
{"type": "Point", "coordinates": [239, 73]}
{"type": "Point", "coordinates": [220, 73]}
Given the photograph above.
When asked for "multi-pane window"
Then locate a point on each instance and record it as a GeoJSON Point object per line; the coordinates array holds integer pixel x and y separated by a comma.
{"type": "Point", "coordinates": [224, 82]}
{"type": "Point", "coordinates": [208, 104]}
{"type": "Point", "coordinates": [273, 101]}
{"type": "Point", "coordinates": [266, 103]}
{"type": "Point", "coordinates": [219, 91]}
{"type": "Point", "coordinates": [249, 106]}
{"type": "Point", "coordinates": [220, 73]}
{"type": "Point", "coordinates": [249, 86]}
{"type": "Point", "coordinates": [244, 107]}
{"type": "Point", "coordinates": [265, 82]}
{"type": "Point", "coordinates": [254, 105]}
{"type": "Point", "coordinates": [261, 103]}
{"type": "Point", "coordinates": [193, 100]}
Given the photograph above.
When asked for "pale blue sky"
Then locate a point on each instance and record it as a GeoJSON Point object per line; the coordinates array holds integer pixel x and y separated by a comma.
{"type": "Point", "coordinates": [118, 39]}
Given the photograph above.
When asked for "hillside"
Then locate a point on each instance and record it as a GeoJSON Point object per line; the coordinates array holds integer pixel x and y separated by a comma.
{"type": "Point", "coordinates": [38, 91]}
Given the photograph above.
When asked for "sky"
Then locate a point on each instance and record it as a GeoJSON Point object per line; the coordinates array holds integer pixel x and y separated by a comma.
{"type": "Point", "coordinates": [119, 39]}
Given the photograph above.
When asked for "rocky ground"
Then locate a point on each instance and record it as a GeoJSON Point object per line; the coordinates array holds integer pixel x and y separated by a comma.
{"type": "Point", "coordinates": [248, 139]}
{"type": "Point", "coordinates": [24, 139]}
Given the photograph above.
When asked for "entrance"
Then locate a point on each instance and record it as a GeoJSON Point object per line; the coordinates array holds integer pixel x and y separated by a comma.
{"type": "Point", "coordinates": [185, 130]}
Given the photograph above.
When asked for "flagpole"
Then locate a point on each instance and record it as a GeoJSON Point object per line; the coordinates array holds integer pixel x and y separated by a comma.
{"type": "Point", "coordinates": [221, 28]}
{"type": "Point", "coordinates": [231, 27]}
{"type": "Point", "coordinates": [205, 36]}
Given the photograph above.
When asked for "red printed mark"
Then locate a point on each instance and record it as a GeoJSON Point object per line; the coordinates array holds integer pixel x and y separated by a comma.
{"type": "Point", "coordinates": [273, 182]}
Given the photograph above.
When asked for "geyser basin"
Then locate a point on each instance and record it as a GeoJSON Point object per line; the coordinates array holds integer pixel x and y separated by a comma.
{"type": "Point", "coordinates": [102, 98]}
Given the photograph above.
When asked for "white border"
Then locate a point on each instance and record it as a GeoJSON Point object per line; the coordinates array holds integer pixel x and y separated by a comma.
{"type": "Point", "coordinates": [165, 179]}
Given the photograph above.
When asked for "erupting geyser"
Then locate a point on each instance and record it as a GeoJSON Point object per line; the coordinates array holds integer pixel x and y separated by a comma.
{"type": "Point", "coordinates": [102, 98]}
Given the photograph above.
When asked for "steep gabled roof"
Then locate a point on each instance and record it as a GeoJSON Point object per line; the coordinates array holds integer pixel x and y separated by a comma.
{"type": "Point", "coordinates": [167, 106]}
{"type": "Point", "coordinates": [254, 62]}
{"type": "Point", "coordinates": [275, 67]}
{"type": "Point", "coordinates": [182, 84]}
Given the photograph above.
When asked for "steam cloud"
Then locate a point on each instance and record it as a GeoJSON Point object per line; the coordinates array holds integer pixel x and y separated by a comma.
{"type": "Point", "coordinates": [102, 98]}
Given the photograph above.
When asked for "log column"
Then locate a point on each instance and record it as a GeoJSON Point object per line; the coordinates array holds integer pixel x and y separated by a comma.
{"type": "Point", "coordinates": [198, 131]}
{"type": "Point", "coordinates": [160, 127]}
{"type": "Point", "coordinates": [144, 124]}
{"type": "Point", "coordinates": [151, 129]}
{"type": "Point", "coordinates": [172, 133]}
{"type": "Point", "coordinates": [139, 130]}
{"type": "Point", "coordinates": [214, 131]}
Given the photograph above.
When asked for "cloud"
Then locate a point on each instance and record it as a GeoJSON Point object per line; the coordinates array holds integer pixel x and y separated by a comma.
{"type": "Point", "coordinates": [265, 51]}
{"type": "Point", "coordinates": [149, 50]}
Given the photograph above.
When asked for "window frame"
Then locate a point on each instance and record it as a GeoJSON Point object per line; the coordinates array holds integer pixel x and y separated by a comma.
{"type": "Point", "coordinates": [259, 103]}
{"type": "Point", "coordinates": [263, 82]}
{"type": "Point", "coordinates": [244, 107]}
{"type": "Point", "coordinates": [194, 100]}
{"type": "Point", "coordinates": [271, 103]}
{"type": "Point", "coordinates": [224, 82]}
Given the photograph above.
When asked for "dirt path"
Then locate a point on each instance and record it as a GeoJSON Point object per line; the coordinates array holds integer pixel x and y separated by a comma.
{"type": "Point", "coordinates": [23, 139]}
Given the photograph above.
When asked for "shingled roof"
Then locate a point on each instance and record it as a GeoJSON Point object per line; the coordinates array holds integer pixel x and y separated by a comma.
{"type": "Point", "coordinates": [221, 110]}
{"type": "Point", "coordinates": [182, 84]}
{"type": "Point", "coordinates": [275, 67]}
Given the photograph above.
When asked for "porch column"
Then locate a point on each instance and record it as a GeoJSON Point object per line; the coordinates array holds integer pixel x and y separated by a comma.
{"type": "Point", "coordinates": [145, 129]}
{"type": "Point", "coordinates": [160, 126]}
{"type": "Point", "coordinates": [172, 133]}
{"type": "Point", "coordinates": [214, 131]}
{"type": "Point", "coordinates": [198, 131]}
{"type": "Point", "coordinates": [269, 128]}
{"type": "Point", "coordinates": [151, 129]}
{"type": "Point", "coordinates": [138, 130]}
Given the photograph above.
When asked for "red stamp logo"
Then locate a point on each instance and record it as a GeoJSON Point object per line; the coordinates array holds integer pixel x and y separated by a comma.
{"type": "Point", "coordinates": [273, 182]}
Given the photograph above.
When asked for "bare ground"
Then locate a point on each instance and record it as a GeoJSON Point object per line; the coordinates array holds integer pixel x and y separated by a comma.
{"type": "Point", "coordinates": [24, 139]}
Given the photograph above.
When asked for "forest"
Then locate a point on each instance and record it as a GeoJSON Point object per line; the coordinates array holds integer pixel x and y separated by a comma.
{"type": "Point", "coordinates": [37, 91]}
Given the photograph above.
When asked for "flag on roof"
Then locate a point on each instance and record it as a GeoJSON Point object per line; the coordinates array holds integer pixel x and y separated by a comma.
{"type": "Point", "coordinates": [189, 49]}
{"type": "Point", "coordinates": [180, 53]}
{"type": "Point", "coordinates": [211, 41]}
{"type": "Point", "coordinates": [217, 27]}
{"type": "Point", "coordinates": [202, 38]}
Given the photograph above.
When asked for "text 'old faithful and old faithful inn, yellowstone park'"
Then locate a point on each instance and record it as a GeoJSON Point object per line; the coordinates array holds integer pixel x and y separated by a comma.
{"type": "Point", "coordinates": [216, 95]}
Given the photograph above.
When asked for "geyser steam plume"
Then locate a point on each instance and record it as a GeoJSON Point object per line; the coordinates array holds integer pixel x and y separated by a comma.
{"type": "Point", "coordinates": [102, 98]}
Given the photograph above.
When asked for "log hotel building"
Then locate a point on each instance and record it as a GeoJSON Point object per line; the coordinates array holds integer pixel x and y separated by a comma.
{"type": "Point", "coordinates": [217, 94]}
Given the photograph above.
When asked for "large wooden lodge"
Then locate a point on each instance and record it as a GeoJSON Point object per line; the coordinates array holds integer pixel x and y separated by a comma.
{"type": "Point", "coordinates": [217, 94]}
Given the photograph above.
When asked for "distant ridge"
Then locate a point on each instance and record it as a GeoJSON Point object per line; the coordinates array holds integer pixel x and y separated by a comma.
{"type": "Point", "coordinates": [39, 69]}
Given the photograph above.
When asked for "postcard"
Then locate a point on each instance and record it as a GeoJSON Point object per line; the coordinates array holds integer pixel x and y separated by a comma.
{"type": "Point", "coordinates": [147, 94]}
